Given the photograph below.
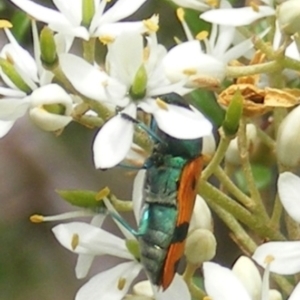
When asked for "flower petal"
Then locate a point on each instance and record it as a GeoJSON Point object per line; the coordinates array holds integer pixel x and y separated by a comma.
{"type": "Point", "coordinates": [5, 127]}
{"type": "Point", "coordinates": [181, 122]}
{"type": "Point", "coordinates": [289, 193]}
{"type": "Point", "coordinates": [91, 84]}
{"type": "Point", "coordinates": [177, 290]}
{"type": "Point", "coordinates": [296, 293]}
{"type": "Point", "coordinates": [236, 16]}
{"type": "Point", "coordinates": [114, 139]}
{"type": "Point", "coordinates": [91, 240]}
{"type": "Point", "coordinates": [245, 269]}
{"type": "Point", "coordinates": [286, 257]}
{"type": "Point", "coordinates": [105, 285]}
{"type": "Point", "coordinates": [40, 12]}
{"type": "Point", "coordinates": [12, 109]}
{"type": "Point", "coordinates": [221, 283]}
{"type": "Point", "coordinates": [121, 10]}
{"type": "Point", "coordinates": [193, 4]}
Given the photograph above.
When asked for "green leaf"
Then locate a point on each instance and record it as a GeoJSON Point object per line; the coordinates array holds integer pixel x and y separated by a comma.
{"type": "Point", "coordinates": [262, 177]}
{"type": "Point", "coordinates": [82, 198]}
{"type": "Point", "coordinates": [205, 102]}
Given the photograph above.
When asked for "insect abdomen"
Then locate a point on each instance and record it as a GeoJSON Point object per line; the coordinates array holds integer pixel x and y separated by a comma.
{"type": "Point", "coordinates": [155, 242]}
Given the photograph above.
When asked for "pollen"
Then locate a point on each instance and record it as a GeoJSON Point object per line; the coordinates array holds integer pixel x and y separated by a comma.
{"type": "Point", "coordinates": [202, 35]}
{"type": "Point", "coordinates": [75, 241]}
{"type": "Point", "coordinates": [180, 14]}
{"type": "Point", "coordinates": [106, 39]}
{"type": "Point", "coordinates": [213, 3]}
{"type": "Point", "coordinates": [269, 259]}
{"type": "Point", "coordinates": [254, 6]}
{"type": "Point", "coordinates": [190, 72]}
{"type": "Point", "coordinates": [102, 194]}
{"type": "Point", "coordinates": [121, 283]}
{"type": "Point", "coordinates": [152, 23]}
{"type": "Point", "coordinates": [5, 24]}
{"type": "Point", "coordinates": [36, 219]}
{"type": "Point", "coordinates": [161, 104]}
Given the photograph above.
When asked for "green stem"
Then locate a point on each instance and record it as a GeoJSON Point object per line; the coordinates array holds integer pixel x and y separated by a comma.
{"type": "Point", "coordinates": [268, 67]}
{"type": "Point", "coordinates": [265, 138]}
{"type": "Point", "coordinates": [258, 206]}
{"type": "Point", "coordinates": [89, 50]}
{"type": "Point", "coordinates": [257, 223]}
{"type": "Point", "coordinates": [276, 214]}
{"type": "Point", "coordinates": [232, 188]}
{"type": "Point", "coordinates": [240, 236]}
{"type": "Point", "coordinates": [217, 158]}
{"type": "Point", "coordinates": [187, 276]}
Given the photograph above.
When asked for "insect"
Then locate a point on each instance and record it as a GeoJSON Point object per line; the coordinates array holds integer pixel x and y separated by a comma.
{"type": "Point", "coordinates": [172, 172]}
{"type": "Point", "coordinates": [169, 189]}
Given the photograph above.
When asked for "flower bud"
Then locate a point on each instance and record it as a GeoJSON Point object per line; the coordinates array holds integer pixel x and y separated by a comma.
{"type": "Point", "coordinates": [248, 274]}
{"type": "Point", "coordinates": [232, 154]}
{"type": "Point", "coordinates": [201, 217]}
{"type": "Point", "coordinates": [51, 107]}
{"type": "Point", "coordinates": [274, 295]}
{"type": "Point", "coordinates": [48, 47]}
{"type": "Point", "coordinates": [288, 15]}
{"type": "Point", "coordinates": [288, 142]}
{"type": "Point", "coordinates": [200, 246]}
{"type": "Point", "coordinates": [233, 114]}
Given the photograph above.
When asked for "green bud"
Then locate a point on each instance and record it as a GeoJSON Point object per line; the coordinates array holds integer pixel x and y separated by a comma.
{"type": "Point", "coordinates": [10, 71]}
{"type": "Point", "coordinates": [82, 198]}
{"type": "Point", "coordinates": [88, 11]}
{"type": "Point", "coordinates": [138, 88]}
{"type": "Point", "coordinates": [48, 47]}
{"type": "Point", "coordinates": [233, 114]}
{"type": "Point", "coordinates": [57, 109]}
{"type": "Point", "coordinates": [134, 248]}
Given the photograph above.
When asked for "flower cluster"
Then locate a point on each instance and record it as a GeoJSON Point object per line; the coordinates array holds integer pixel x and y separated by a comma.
{"type": "Point", "coordinates": [225, 100]}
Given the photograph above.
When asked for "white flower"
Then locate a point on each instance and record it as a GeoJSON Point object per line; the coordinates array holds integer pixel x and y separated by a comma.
{"type": "Point", "coordinates": [35, 82]}
{"type": "Point", "coordinates": [285, 256]}
{"type": "Point", "coordinates": [68, 20]}
{"type": "Point", "coordinates": [202, 61]}
{"type": "Point", "coordinates": [243, 282]}
{"type": "Point", "coordinates": [200, 5]}
{"type": "Point", "coordinates": [238, 16]}
{"type": "Point", "coordinates": [126, 58]}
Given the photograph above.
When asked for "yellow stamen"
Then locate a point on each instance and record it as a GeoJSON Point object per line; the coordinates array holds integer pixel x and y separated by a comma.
{"type": "Point", "coordinates": [108, 1]}
{"type": "Point", "coordinates": [36, 219]}
{"type": "Point", "coordinates": [202, 35]}
{"type": "Point", "coordinates": [121, 283]}
{"type": "Point", "coordinates": [254, 6]}
{"type": "Point", "coordinates": [269, 259]}
{"type": "Point", "coordinates": [75, 241]}
{"type": "Point", "coordinates": [5, 24]}
{"type": "Point", "coordinates": [190, 72]}
{"type": "Point", "coordinates": [180, 14]}
{"type": "Point", "coordinates": [152, 23]}
{"type": "Point", "coordinates": [102, 194]}
{"type": "Point", "coordinates": [161, 104]}
{"type": "Point", "coordinates": [106, 39]}
{"type": "Point", "coordinates": [207, 298]}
